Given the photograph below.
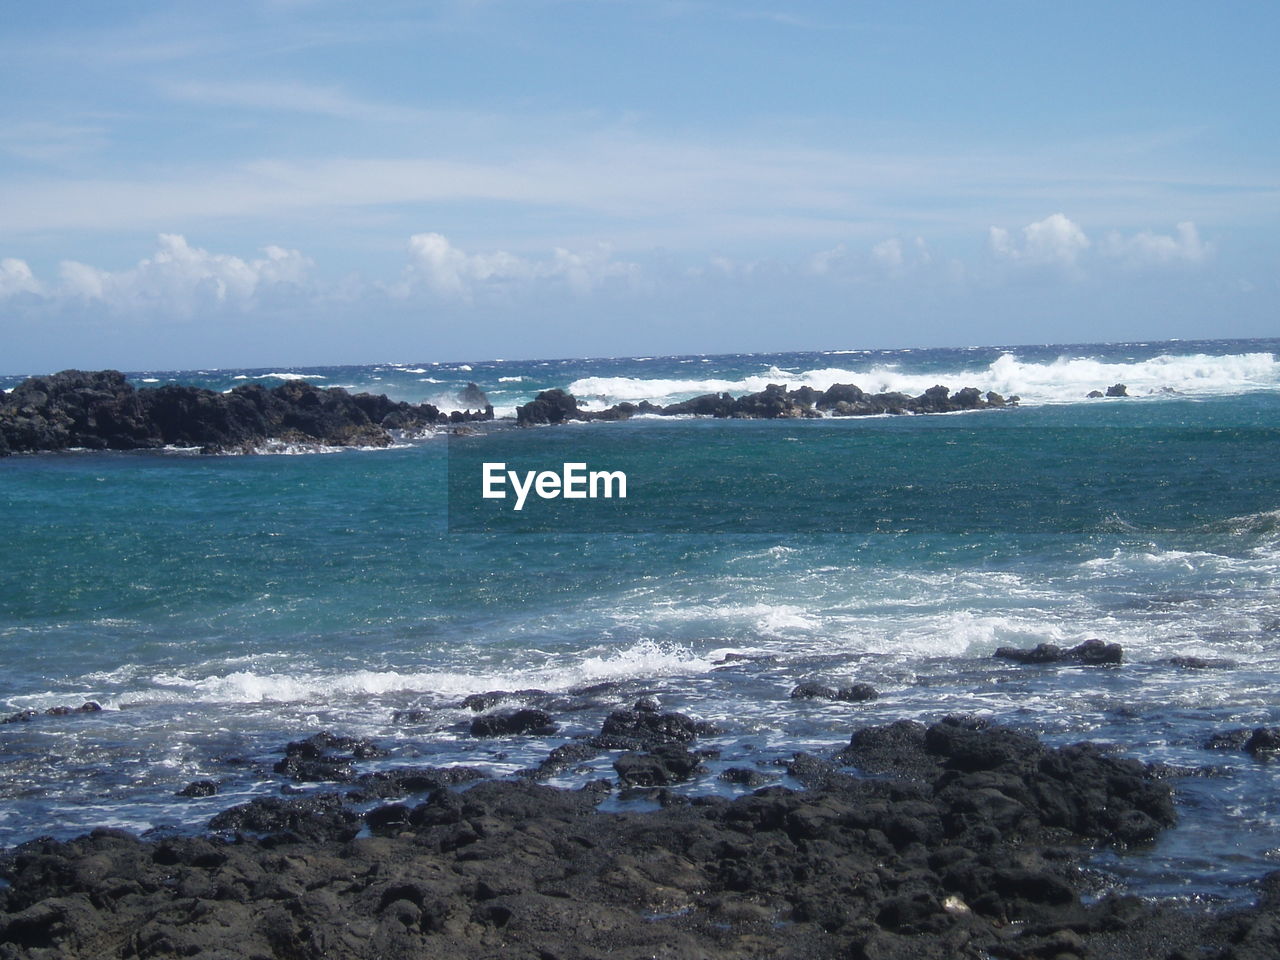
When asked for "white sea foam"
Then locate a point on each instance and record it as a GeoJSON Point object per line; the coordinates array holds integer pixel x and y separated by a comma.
{"type": "Point", "coordinates": [288, 376]}
{"type": "Point", "coordinates": [646, 658]}
{"type": "Point", "coordinates": [1066, 379]}
{"type": "Point", "coordinates": [511, 379]}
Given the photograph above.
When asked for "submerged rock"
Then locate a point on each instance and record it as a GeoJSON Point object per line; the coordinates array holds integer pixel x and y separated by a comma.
{"type": "Point", "coordinates": [1200, 663]}
{"type": "Point", "coordinates": [24, 716]}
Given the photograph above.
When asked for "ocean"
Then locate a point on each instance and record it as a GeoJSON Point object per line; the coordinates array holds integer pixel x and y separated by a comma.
{"type": "Point", "coordinates": [220, 606]}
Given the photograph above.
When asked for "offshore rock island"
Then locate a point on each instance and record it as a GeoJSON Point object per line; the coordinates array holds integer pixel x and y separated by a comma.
{"type": "Point", "coordinates": [101, 410]}
{"type": "Point", "coordinates": [774, 402]}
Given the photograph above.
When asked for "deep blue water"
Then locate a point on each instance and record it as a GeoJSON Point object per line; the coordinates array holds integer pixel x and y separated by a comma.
{"type": "Point", "coordinates": [220, 606]}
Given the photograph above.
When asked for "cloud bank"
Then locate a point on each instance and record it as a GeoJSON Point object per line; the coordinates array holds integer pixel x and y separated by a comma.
{"type": "Point", "coordinates": [183, 280]}
{"type": "Point", "coordinates": [1057, 240]}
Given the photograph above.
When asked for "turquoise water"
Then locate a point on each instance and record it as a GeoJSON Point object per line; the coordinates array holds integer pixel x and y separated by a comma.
{"type": "Point", "coordinates": [220, 606]}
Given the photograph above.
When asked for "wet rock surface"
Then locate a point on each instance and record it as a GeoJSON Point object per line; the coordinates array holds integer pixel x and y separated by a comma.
{"type": "Point", "coordinates": [774, 402]}
{"type": "Point", "coordinates": [853, 693]}
{"type": "Point", "coordinates": [26, 716]}
{"type": "Point", "coordinates": [963, 843]}
{"type": "Point", "coordinates": [1091, 652]}
{"type": "Point", "coordinates": [101, 410]}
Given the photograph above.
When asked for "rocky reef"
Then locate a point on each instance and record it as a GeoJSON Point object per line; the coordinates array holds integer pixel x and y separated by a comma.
{"type": "Point", "coordinates": [101, 410]}
{"type": "Point", "coordinates": [773, 402]}
{"type": "Point", "coordinates": [954, 840]}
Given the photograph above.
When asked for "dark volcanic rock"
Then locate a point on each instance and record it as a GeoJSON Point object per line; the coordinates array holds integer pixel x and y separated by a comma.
{"type": "Point", "coordinates": [1229, 739]}
{"type": "Point", "coordinates": [550, 406]}
{"type": "Point", "coordinates": [1096, 652]}
{"type": "Point", "coordinates": [855, 693]}
{"type": "Point", "coordinates": [101, 410]}
{"type": "Point", "coordinates": [646, 727]}
{"type": "Point", "coordinates": [405, 781]}
{"type": "Point", "coordinates": [1201, 663]}
{"type": "Point", "coordinates": [326, 756]}
{"type": "Point", "coordinates": [1117, 390]}
{"type": "Point", "coordinates": [24, 716]}
{"type": "Point", "coordinates": [1090, 652]}
{"type": "Point", "coordinates": [955, 861]}
{"type": "Point", "coordinates": [1264, 741]}
{"type": "Point", "coordinates": [775, 401]}
{"type": "Point", "coordinates": [664, 764]}
{"type": "Point", "coordinates": [513, 722]}
{"type": "Point", "coordinates": [810, 690]}
{"type": "Point", "coordinates": [314, 817]}
{"type": "Point", "coordinates": [563, 758]}
{"type": "Point", "coordinates": [199, 788]}
{"type": "Point", "coordinates": [1040, 653]}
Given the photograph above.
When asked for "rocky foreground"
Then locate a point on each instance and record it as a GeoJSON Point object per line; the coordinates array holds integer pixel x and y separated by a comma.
{"type": "Point", "coordinates": [953, 841]}
{"type": "Point", "coordinates": [101, 410]}
{"type": "Point", "coordinates": [774, 402]}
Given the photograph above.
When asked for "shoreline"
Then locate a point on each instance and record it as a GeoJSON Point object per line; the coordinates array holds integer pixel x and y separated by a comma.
{"type": "Point", "coordinates": [958, 839]}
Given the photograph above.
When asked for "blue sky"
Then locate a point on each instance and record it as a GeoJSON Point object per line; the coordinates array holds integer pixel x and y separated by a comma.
{"type": "Point", "coordinates": [325, 181]}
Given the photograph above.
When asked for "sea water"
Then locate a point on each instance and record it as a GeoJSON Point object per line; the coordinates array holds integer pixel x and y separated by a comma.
{"type": "Point", "coordinates": [218, 607]}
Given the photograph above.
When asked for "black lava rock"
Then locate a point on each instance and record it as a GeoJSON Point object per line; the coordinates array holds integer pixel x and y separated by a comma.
{"type": "Point", "coordinates": [513, 722]}
{"type": "Point", "coordinates": [199, 788]}
{"type": "Point", "coordinates": [1091, 652]}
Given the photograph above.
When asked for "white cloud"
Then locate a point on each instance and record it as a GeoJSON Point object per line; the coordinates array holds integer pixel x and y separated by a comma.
{"type": "Point", "coordinates": [447, 271]}
{"type": "Point", "coordinates": [1156, 249]}
{"type": "Point", "coordinates": [181, 277]}
{"type": "Point", "coordinates": [1053, 240]}
{"type": "Point", "coordinates": [826, 261]}
{"type": "Point", "coordinates": [16, 277]}
{"type": "Point", "coordinates": [888, 253]}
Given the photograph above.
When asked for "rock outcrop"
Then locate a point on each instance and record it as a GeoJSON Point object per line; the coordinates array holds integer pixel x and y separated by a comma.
{"type": "Point", "coordinates": [101, 410]}
{"type": "Point", "coordinates": [774, 402]}
{"type": "Point", "coordinates": [965, 843]}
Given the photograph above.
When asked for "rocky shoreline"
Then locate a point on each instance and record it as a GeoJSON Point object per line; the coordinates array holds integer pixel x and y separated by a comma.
{"type": "Point", "coordinates": [101, 410]}
{"type": "Point", "coordinates": [957, 839]}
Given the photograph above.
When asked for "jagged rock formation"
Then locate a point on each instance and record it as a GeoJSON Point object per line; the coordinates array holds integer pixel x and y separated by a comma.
{"type": "Point", "coordinates": [964, 843]}
{"type": "Point", "coordinates": [101, 410]}
{"type": "Point", "coordinates": [773, 402]}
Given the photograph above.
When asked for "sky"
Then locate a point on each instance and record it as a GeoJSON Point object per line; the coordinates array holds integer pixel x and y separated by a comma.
{"type": "Point", "coordinates": [324, 181]}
